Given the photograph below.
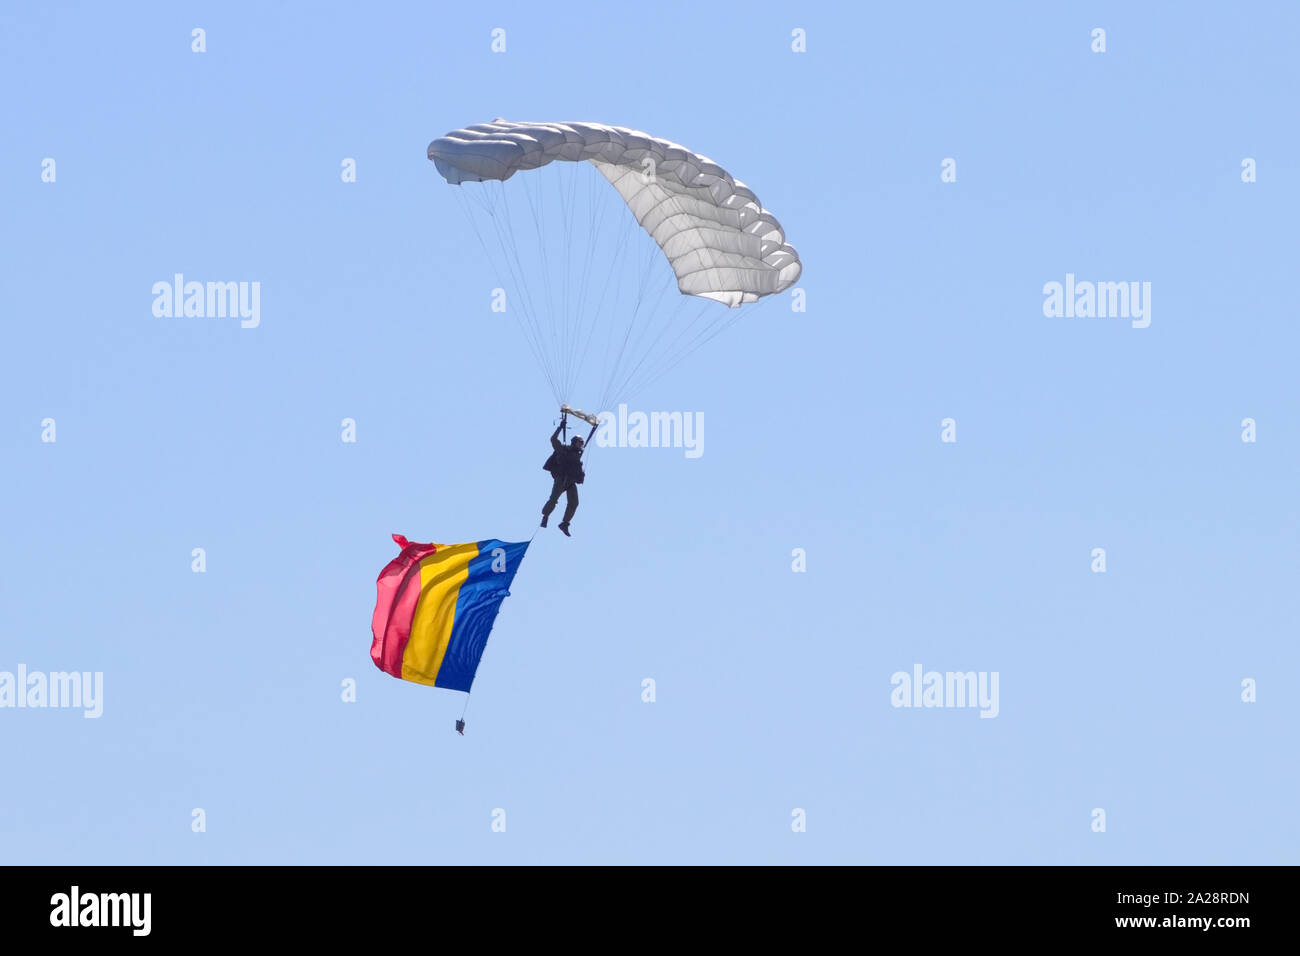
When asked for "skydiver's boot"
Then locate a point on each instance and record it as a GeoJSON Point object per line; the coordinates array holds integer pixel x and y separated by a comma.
{"type": "Point", "coordinates": [544, 517]}
{"type": "Point", "coordinates": [564, 526]}
{"type": "Point", "coordinates": [570, 506]}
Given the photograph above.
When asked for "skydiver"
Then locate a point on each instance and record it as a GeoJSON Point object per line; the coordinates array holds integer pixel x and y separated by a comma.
{"type": "Point", "coordinates": [565, 466]}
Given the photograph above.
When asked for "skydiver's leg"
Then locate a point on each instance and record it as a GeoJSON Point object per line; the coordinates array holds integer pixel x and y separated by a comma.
{"type": "Point", "coordinates": [556, 487]}
{"type": "Point", "coordinates": [571, 504]}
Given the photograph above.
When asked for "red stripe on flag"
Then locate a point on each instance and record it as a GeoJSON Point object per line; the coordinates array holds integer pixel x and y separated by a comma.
{"type": "Point", "coordinates": [398, 592]}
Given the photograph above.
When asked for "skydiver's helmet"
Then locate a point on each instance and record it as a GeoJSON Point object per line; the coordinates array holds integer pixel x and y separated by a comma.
{"type": "Point", "coordinates": [576, 443]}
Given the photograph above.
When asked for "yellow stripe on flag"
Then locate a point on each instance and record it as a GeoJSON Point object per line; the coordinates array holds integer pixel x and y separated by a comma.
{"type": "Point", "coordinates": [441, 575]}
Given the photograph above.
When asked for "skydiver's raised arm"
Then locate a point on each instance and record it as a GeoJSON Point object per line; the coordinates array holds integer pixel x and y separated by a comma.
{"type": "Point", "coordinates": [555, 437]}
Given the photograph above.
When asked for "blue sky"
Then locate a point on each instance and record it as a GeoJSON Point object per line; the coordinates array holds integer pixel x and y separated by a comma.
{"type": "Point", "coordinates": [1119, 691]}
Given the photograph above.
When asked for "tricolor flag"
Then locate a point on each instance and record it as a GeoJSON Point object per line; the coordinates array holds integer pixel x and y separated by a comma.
{"type": "Point", "coordinates": [436, 606]}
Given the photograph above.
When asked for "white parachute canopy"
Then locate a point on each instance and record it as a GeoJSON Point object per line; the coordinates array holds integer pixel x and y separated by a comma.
{"type": "Point", "coordinates": [708, 228]}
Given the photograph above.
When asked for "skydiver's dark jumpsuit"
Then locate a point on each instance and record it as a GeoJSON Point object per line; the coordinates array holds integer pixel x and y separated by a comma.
{"type": "Point", "coordinates": [565, 466]}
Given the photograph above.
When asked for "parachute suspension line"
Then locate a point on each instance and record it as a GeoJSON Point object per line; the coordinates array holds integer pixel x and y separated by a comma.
{"type": "Point", "coordinates": [580, 308]}
{"type": "Point", "coordinates": [657, 360]}
{"type": "Point", "coordinates": [503, 222]}
{"type": "Point", "coordinates": [710, 332]}
{"type": "Point", "coordinates": [572, 310]}
{"type": "Point", "coordinates": [527, 290]}
{"type": "Point", "coordinates": [607, 212]}
{"type": "Point", "coordinates": [546, 321]}
{"type": "Point", "coordinates": [502, 227]}
{"type": "Point", "coordinates": [612, 277]}
{"type": "Point", "coordinates": [600, 208]}
{"type": "Point", "coordinates": [553, 186]}
{"type": "Point", "coordinates": [614, 363]}
{"type": "Point", "coordinates": [635, 379]}
{"type": "Point", "coordinates": [559, 315]}
{"type": "Point", "coordinates": [586, 317]}
{"type": "Point", "coordinates": [561, 329]}
{"type": "Point", "coordinates": [620, 379]}
{"type": "Point", "coordinates": [617, 385]}
{"type": "Point", "coordinates": [665, 326]}
{"type": "Point", "coordinates": [725, 320]}
{"type": "Point", "coordinates": [627, 272]}
{"type": "Point", "coordinates": [529, 337]}
{"type": "Point", "coordinates": [571, 316]}
{"type": "Point", "coordinates": [536, 307]}
{"type": "Point", "coordinates": [666, 287]}
{"type": "Point", "coordinates": [546, 274]}
{"type": "Point", "coordinates": [511, 242]}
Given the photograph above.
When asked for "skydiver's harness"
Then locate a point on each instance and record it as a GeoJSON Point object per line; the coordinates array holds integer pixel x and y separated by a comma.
{"type": "Point", "coordinates": [565, 412]}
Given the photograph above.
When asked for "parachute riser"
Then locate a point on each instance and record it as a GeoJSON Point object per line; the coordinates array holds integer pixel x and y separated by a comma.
{"type": "Point", "coordinates": [592, 420]}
